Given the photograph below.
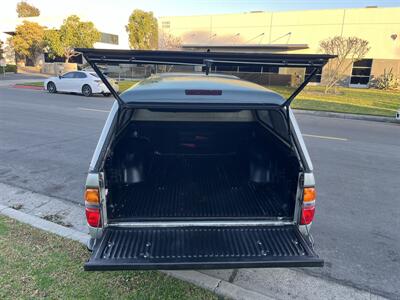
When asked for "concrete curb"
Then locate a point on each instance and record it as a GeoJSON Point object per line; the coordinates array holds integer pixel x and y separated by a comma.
{"type": "Point", "coordinates": [44, 225]}
{"type": "Point", "coordinates": [217, 286]}
{"type": "Point", "coordinates": [346, 116]}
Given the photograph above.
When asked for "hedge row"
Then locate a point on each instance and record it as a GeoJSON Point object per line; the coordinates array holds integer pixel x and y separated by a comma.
{"type": "Point", "coordinates": [10, 68]}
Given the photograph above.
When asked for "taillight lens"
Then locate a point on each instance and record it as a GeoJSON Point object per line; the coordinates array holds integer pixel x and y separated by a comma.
{"type": "Point", "coordinates": [93, 216]}
{"type": "Point", "coordinates": [92, 196]}
{"type": "Point", "coordinates": [308, 208]}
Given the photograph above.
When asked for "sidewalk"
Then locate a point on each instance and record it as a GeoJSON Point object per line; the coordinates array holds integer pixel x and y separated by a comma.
{"type": "Point", "coordinates": [12, 79]}
{"type": "Point", "coordinates": [339, 115]}
{"type": "Point", "coordinates": [35, 209]}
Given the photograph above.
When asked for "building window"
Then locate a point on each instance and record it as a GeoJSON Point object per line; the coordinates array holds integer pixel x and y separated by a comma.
{"type": "Point", "coordinates": [166, 24]}
{"type": "Point", "coordinates": [317, 76]}
{"type": "Point", "coordinates": [109, 38]}
{"type": "Point", "coordinates": [361, 72]}
{"type": "Point", "coordinates": [244, 68]}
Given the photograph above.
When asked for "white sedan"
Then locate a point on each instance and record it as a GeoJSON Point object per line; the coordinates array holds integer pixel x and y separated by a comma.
{"type": "Point", "coordinates": [86, 83]}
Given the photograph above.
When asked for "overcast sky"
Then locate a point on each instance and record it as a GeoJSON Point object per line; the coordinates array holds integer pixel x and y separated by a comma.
{"type": "Point", "coordinates": [121, 8]}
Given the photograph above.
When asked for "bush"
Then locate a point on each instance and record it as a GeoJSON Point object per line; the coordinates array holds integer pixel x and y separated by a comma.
{"type": "Point", "coordinates": [11, 68]}
{"type": "Point", "coordinates": [386, 81]}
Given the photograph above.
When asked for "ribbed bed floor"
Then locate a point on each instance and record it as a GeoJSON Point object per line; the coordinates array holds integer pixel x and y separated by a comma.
{"type": "Point", "coordinates": [198, 187]}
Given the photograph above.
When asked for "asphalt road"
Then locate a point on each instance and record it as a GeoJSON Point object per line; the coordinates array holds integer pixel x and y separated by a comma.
{"type": "Point", "coordinates": [46, 143]}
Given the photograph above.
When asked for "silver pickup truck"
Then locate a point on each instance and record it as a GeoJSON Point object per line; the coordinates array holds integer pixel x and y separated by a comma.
{"type": "Point", "coordinates": [200, 170]}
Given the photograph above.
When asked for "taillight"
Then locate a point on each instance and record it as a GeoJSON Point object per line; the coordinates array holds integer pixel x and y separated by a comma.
{"type": "Point", "coordinates": [308, 208]}
{"type": "Point", "coordinates": [93, 216]}
{"type": "Point", "coordinates": [92, 196]}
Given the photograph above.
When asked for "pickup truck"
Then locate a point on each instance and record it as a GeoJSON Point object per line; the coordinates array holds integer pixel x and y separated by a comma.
{"type": "Point", "coordinates": [200, 170]}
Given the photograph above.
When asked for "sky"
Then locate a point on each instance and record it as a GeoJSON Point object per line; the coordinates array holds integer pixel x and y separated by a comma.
{"type": "Point", "coordinates": [112, 15]}
{"type": "Point", "coordinates": [116, 8]}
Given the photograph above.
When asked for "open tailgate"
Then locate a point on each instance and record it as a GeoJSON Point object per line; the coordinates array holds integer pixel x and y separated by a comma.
{"type": "Point", "coordinates": [201, 248]}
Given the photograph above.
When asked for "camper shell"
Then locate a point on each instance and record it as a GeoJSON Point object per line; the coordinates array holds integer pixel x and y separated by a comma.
{"type": "Point", "coordinates": [200, 170]}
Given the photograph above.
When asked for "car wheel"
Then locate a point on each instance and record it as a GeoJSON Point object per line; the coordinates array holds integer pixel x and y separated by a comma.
{"type": "Point", "coordinates": [51, 87]}
{"type": "Point", "coordinates": [87, 90]}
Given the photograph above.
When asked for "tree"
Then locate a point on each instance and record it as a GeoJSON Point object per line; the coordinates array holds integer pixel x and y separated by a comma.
{"type": "Point", "coordinates": [25, 9]}
{"type": "Point", "coordinates": [28, 41]}
{"type": "Point", "coordinates": [1, 49]}
{"type": "Point", "coordinates": [348, 51]}
{"type": "Point", "coordinates": [9, 52]}
{"type": "Point", "coordinates": [142, 29]}
{"type": "Point", "coordinates": [168, 41]}
{"type": "Point", "coordinates": [73, 33]}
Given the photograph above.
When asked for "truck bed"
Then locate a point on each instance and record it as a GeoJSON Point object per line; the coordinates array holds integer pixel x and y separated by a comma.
{"type": "Point", "coordinates": [198, 187]}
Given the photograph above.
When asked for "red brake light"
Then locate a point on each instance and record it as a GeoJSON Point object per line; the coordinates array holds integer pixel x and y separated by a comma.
{"type": "Point", "coordinates": [93, 216]}
{"type": "Point", "coordinates": [203, 92]}
{"type": "Point", "coordinates": [308, 208]}
{"type": "Point", "coordinates": [307, 215]}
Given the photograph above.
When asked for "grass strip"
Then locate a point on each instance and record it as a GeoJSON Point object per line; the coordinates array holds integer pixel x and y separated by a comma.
{"type": "Point", "coordinates": [36, 264]}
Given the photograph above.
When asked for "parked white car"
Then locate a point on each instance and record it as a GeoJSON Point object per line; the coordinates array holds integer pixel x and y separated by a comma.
{"type": "Point", "coordinates": [86, 83]}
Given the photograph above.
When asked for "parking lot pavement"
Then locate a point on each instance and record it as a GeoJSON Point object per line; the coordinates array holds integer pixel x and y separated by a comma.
{"type": "Point", "coordinates": [47, 142]}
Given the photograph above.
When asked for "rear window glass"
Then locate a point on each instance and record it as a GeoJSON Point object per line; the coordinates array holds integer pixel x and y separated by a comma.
{"type": "Point", "coordinates": [68, 75]}
{"type": "Point", "coordinates": [276, 121]}
{"type": "Point", "coordinates": [79, 75]}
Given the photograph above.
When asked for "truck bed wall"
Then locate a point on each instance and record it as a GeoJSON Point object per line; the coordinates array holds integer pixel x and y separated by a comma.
{"type": "Point", "coordinates": [256, 168]}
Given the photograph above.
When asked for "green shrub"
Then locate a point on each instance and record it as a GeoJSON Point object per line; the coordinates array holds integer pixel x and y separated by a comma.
{"type": "Point", "coordinates": [386, 81]}
{"type": "Point", "coordinates": [11, 68]}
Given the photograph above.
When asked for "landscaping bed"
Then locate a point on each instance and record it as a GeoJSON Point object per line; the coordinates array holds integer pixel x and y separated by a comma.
{"type": "Point", "coordinates": [345, 100]}
{"type": "Point", "coordinates": [36, 264]}
{"type": "Point", "coordinates": [35, 83]}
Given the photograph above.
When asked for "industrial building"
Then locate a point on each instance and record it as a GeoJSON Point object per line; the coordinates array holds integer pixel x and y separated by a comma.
{"type": "Point", "coordinates": [297, 32]}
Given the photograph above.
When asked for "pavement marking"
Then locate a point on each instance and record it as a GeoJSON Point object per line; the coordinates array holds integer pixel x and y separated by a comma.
{"type": "Point", "coordinates": [326, 137]}
{"type": "Point", "coordinates": [92, 109]}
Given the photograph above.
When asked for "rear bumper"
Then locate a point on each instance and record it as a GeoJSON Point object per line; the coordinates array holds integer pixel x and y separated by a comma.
{"type": "Point", "coordinates": [101, 88]}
